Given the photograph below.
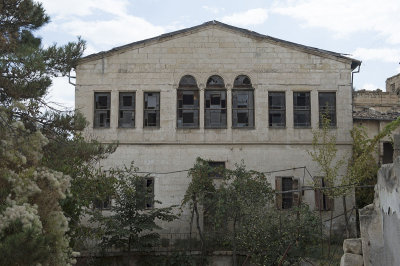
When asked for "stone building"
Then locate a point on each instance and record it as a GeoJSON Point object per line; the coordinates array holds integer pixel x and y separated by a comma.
{"type": "Point", "coordinates": [221, 93]}
{"type": "Point", "coordinates": [375, 109]}
{"type": "Point", "coordinates": [393, 84]}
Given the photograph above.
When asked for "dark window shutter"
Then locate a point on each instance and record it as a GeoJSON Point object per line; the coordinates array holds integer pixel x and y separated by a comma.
{"type": "Point", "coordinates": [318, 194]}
{"type": "Point", "coordinates": [278, 188]}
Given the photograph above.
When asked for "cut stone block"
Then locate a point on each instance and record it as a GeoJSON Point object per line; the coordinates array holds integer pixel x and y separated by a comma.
{"type": "Point", "coordinates": [351, 260]}
{"type": "Point", "coordinates": [352, 245]}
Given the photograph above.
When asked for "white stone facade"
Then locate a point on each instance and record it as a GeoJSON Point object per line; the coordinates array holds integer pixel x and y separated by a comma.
{"type": "Point", "coordinates": [215, 49]}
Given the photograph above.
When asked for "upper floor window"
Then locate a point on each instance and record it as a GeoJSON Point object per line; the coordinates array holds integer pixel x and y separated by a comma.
{"type": "Point", "coordinates": [301, 109]}
{"type": "Point", "coordinates": [242, 103]}
{"type": "Point", "coordinates": [276, 109]}
{"type": "Point", "coordinates": [188, 103]}
{"type": "Point", "coordinates": [102, 103]}
{"type": "Point", "coordinates": [126, 117]}
{"type": "Point", "coordinates": [327, 107]}
{"type": "Point", "coordinates": [215, 103]}
{"type": "Point", "coordinates": [151, 114]}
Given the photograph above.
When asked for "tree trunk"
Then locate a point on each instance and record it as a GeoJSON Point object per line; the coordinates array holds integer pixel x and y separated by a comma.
{"type": "Point", "coordinates": [234, 243]}
{"type": "Point", "coordinates": [190, 230]}
{"type": "Point", "coordinates": [345, 217]}
{"type": "Point", "coordinates": [330, 233]}
{"type": "Point", "coordinates": [322, 237]}
{"type": "Point", "coordinates": [199, 228]}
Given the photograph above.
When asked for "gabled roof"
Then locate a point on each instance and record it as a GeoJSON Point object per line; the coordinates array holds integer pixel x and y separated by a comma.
{"type": "Point", "coordinates": [251, 34]}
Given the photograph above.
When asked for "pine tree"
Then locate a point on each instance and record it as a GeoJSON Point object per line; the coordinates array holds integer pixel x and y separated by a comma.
{"type": "Point", "coordinates": [32, 224]}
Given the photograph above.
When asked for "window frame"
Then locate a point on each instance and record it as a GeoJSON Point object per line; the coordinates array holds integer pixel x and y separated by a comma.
{"type": "Point", "coordinates": [220, 89]}
{"type": "Point", "coordinates": [216, 165]}
{"type": "Point", "coordinates": [295, 196]}
{"type": "Point", "coordinates": [98, 111]}
{"type": "Point", "coordinates": [182, 88]}
{"type": "Point", "coordinates": [321, 109]}
{"type": "Point", "coordinates": [239, 87]}
{"type": "Point", "coordinates": [123, 108]}
{"type": "Point", "coordinates": [157, 110]}
{"type": "Point", "coordinates": [276, 110]}
{"type": "Point", "coordinates": [302, 109]}
{"type": "Point", "coordinates": [102, 205]}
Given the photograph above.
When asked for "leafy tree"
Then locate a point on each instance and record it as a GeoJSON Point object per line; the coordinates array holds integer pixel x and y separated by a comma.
{"type": "Point", "coordinates": [32, 221]}
{"type": "Point", "coordinates": [324, 152]}
{"type": "Point", "coordinates": [361, 166]}
{"type": "Point", "coordinates": [130, 224]}
{"type": "Point", "coordinates": [199, 194]}
{"type": "Point", "coordinates": [241, 212]}
{"type": "Point", "coordinates": [366, 172]}
{"type": "Point", "coordinates": [241, 195]}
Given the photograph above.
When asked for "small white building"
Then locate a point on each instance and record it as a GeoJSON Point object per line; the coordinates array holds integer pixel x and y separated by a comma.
{"type": "Point", "coordinates": [221, 93]}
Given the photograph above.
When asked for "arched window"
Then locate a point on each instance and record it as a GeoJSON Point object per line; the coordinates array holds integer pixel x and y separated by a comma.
{"type": "Point", "coordinates": [215, 103]}
{"type": "Point", "coordinates": [188, 103]}
{"type": "Point", "coordinates": [242, 103]}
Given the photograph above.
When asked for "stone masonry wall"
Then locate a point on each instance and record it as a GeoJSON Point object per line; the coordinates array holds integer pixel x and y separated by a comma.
{"type": "Point", "coordinates": [214, 50]}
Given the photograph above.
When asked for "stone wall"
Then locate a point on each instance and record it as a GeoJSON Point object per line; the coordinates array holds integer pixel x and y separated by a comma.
{"type": "Point", "coordinates": [378, 100]}
{"type": "Point", "coordinates": [158, 65]}
{"type": "Point", "coordinates": [393, 84]}
{"type": "Point", "coordinates": [380, 221]}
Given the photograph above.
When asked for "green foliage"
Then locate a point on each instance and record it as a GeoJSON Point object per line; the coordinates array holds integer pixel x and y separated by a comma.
{"type": "Point", "coordinates": [130, 224]}
{"type": "Point", "coordinates": [324, 153]}
{"type": "Point", "coordinates": [30, 190]}
{"type": "Point", "coordinates": [240, 216]}
{"type": "Point", "coordinates": [267, 235]}
{"type": "Point", "coordinates": [20, 247]}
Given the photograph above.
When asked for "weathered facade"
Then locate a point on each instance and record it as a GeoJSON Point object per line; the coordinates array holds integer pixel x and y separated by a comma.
{"type": "Point", "coordinates": [374, 110]}
{"type": "Point", "coordinates": [379, 222]}
{"type": "Point", "coordinates": [393, 84]}
{"type": "Point", "coordinates": [220, 93]}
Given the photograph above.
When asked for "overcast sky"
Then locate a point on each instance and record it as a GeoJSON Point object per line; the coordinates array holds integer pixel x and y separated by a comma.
{"type": "Point", "coordinates": [367, 30]}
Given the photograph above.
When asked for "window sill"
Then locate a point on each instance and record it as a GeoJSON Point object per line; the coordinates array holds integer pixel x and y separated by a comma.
{"type": "Point", "coordinates": [101, 128]}
{"type": "Point", "coordinates": [151, 128]}
{"type": "Point", "coordinates": [275, 127]}
{"type": "Point", "coordinates": [308, 127]}
{"type": "Point", "coordinates": [215, 128]}
{"type": "Point", "coordinates": [185, 128]}
{"type": "Point", "coordinates": [248, 128]}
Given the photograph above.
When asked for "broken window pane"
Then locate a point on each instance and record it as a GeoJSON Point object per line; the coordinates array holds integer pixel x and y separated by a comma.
{"type": "Point", "coordinates": [187, 81]}
{"type": "Point", "coordinates": [242, 108]}
{"type": "Point", "coordinates": [277, 109]}
{"type": "Point", "coordinates": [215, 109]}
{"type": "Point", "coordinates": [301, 109]}
{"type": "Point", "coordinates": [327, 107]}
{"type": "Point", "coordinates": [242, 81]}
{"type": "Point", "coordinates": [188, 103]}
{"type": "Point", "coordinates": [215, 81]}
{"type": "Point", "coordinates": [126, 110]}
{"type": "Point", "coordinates": [151, 117]}
{"type": "Point", "coordinates": [102, 109]}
